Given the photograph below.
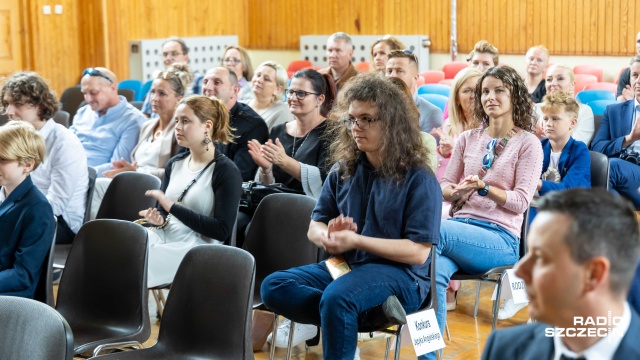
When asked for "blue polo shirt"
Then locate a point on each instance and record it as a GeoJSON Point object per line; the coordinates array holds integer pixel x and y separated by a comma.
{"type": "Point", "coordinates": [384, 208]}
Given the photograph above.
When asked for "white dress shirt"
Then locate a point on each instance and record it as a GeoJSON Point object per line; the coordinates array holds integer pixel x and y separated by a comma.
{"type": "Point", "coordinates": [63, 176]}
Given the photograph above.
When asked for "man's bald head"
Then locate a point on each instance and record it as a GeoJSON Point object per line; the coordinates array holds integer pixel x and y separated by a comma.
{"type": "Point", "coordinates": [100, 89]}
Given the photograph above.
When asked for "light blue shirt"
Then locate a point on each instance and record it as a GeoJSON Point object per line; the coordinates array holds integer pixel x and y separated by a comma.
{"type": "Point", "coordinates": [109, 137]}
{"type": "Point", "coordinates": [430, 115]}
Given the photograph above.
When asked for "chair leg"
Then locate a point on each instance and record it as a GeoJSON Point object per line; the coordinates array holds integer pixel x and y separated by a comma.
{"type": "Point", "coordinates": [386, 349]}
{"type": "Point", "coordinates": [475, 309]}
{"type": "Point", "coordinates": [290, 344]}
{"type": "Point", "coordinates": [162, 298]}
{"type": "Point", "coordinates": [398, 341]}
{"type": "Point", "coordinates": [158, 304]}
{"type": "Point", "coordinates": [496, 304]}
{"type": "Point", "coordinates": [446, 328]}
{"type": "Point", "coordinates": [272, 350]}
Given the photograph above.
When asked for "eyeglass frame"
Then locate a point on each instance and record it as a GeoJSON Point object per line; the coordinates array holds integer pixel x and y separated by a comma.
{"type": "Point", "coordinates": [489, 157]}
{"type": "Point", "coordinates": [231, 60]}
{"type": "Point", "coordinates": [95, 72]}
{"type": "Point", "coordinates": [165, 55]}
{"type": "Point", "coordinates": [291, 92]}
{"type": "Point", "coordinates": [351, 123]}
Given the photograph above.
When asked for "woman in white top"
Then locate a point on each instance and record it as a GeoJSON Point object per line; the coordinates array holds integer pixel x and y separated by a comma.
{"type": "Point", "coordinates": [560, 78]}
{"type": "Point", "coordinates": [63, 176]}
{"type": "Point", "coordinates": [200, 193]}
{"type": "Point", "coordinates": [268, 85]}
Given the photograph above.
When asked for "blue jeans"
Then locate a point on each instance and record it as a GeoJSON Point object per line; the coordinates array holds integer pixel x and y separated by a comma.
{"type": "Point", "coordinates": [473, 246]}
{"type": "Point", "coordinates": [308, 295]}
{"type": "Point", "coordinates": [624, 177]}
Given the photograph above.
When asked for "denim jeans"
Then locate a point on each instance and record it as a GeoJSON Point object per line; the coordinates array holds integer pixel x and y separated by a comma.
{"type": "Point", "coordinates": [473, 246]}
{"type": "Point", "coordinates": [308, 295]}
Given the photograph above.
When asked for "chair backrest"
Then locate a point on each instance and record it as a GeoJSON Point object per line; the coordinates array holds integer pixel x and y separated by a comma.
{"type": "Point", "coordinates": [363, 66]}
{"type": "Point", "coordinates": [599, 170]}
{"type": "Point", "coordinates": [298, 65]}
{"type": "Point", "coordinates": [44, 289]}
{"type": "Point", "coordinates": [140, 95]}
{"type": "Point", "coordinates": [125, 196]}
{"type": "Point", "coordinates": [71, 99]}
{"type": "Point", "coordinates": [137, 104]}
{"type": "Point", "coordinates": [3, 119]}
{"type": "Point", "coordinates": [523, 233]}
{"type": "Point", "coordinates": [439, 89]}
{"type": "Point", "coordinates": [447, 82]}
{"type": "Point", "coordinates": [596, 122]}
{"type": "Point", "coordinates": [92, 184]}
{"type": "Point", "coordinates": [453, 68]}
{"type": "Point", "coordinates": [602, 86]}
{"type": "Point", "coordinates": [104, 283]}
{"type": "Point", "coordinates": [581, 80]}
{"type": "Point", "coordinates": [435, 99]}
{"type": "Point", "coordinates": [599, 106]}
{"type": "Point", "coordinates": [127, 93]}
{"type": "Point", "coordinates": [588, 69]}
{"type": "Point", "coordinates": [277, 235]}
{"type": "Point", "coordinates": [62, 118]}
{"type": "Point", "coordinates": [33, 330]}
{"type": "Point", "coordinates": [587, 96]}
{"type": "Point", "coordinates": [131, 84]}
{"type": "Point", "coordinates": [432, 76]}
{"type": "Point", "coordinates": [208, 311]}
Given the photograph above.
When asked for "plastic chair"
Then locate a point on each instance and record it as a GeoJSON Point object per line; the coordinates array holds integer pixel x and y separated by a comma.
{"type": "Point", "coordinates": [277, 247]}
{"type": "Point", "coordinates": [297, 65]}
{"type": "Point", "coordinates": [453, 68]}
{"type": "Point", "coordinates": [599, 170]}
{"type": "Point", "coordinates": [33, 330]}
{"type": "Point", "coordinates": [44, 289]}
{"type": "Point", "coordinates": [137, 104]}
{"type": "Point", "coordinates": [208, 314]}
{"type": "Point", "coordinates": [602, 86]}
{"type": "Point", "coordinates": [582, 80]}
{"type": "Point", "coordinates": [71, 99]}
{"type": "Point", "coordinates": [127, 93]}
{"type": "Point", "coordinates": [62, 118]}
{"type": "Point", "coordinates": [439, 89]}
{"type": "Point", "coordinates": [131, 84]}
{"type": "Point", "coordinates": [587, 96]}
{"type": "Point", "coordinates": [363, 66]}
{"type": "Point", "coordinates": [599, 106]}
{"type": "Point", "coordinates": [420, 81]}
{"type": "Point", "coordinates": [125, 196]}
{"type": "Point", "coordinates": [432, 76]}
{"type": "Point", "coordinates": [588, 69]}
{"type": "Point", "coordinates": [144, 89]}
{"type": "Point", "coordinates": [435, 99]}
{"type": "Point", "coordinates": [447, 82]}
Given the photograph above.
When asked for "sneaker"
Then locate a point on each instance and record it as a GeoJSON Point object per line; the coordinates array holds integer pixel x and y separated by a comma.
{"type": "Point", "coordinates": [303, 332]}
{"type": "Point", "coordinates": [357, 355]}
{"type": "Point", "coordinates": [452, 300]}
{"type": "Point", "coordinates": [509, 308]}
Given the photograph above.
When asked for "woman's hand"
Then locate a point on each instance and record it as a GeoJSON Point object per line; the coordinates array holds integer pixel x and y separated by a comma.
{"type": "Point", "coordinates": [258, 158]}
{"type": "Point", "coordinates": [538, 130]}
{"type": "Point", "coordinates": [163, 200]}
{"type": "Point", "coordinates": [471, 182]}
{"type": "Point", "coordinates": [274, 153]}
{"type": "Point", "coordinates": [120, 166]}
{"type": "Point", "coordinates": [446, 143]}
{"type": "Point", "coordinates": [152, 215]}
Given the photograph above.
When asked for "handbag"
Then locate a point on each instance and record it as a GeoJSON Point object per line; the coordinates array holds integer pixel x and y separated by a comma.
{"type": "Point", "coordinates": [253, 193]}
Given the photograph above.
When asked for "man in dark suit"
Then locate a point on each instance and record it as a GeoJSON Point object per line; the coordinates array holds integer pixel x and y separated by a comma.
{"type": "Point", "coordinates": [617, 137]}
{"type": "Point", "coordinates": [583, 248]}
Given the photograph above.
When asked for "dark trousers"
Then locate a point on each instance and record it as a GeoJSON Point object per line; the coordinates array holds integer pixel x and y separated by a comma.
{"type": "Point", "coordinates": [64, 234]}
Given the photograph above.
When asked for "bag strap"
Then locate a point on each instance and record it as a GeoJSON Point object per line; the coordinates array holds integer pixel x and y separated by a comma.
{"type": "Point", "coordinates": [184, 192]}
{"type": "Point", "coordinates": [498, 149]}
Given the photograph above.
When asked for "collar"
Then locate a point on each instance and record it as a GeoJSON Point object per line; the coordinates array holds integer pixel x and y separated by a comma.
{"type": "Point", "coordinates": [3, 197]}
{"type": "Point", "coordinates": [47, 128]}
{"type": "Point", "coordinates": [119, 106]}
{"type": "Point", "coordinates": [605, 348]}
{"type": "Point", "coordinates": [17, 194]}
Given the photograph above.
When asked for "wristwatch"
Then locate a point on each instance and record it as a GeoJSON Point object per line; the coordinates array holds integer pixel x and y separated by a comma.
{"type": "Point", "coordinates": [484, 191]}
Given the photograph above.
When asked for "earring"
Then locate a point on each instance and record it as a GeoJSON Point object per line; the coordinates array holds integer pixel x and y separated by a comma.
{"type": "Point", "coordinates": [207, 140]}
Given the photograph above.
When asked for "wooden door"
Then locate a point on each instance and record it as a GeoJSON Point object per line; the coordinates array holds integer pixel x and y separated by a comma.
{"type": "Point", "coordinates": [11, 37]}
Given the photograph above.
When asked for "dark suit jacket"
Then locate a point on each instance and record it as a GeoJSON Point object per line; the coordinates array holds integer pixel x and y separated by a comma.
{"type": "Point", "coordinates": [528, 342]}
{"type": "Point", "coordinates": [614, 126]}
{"type": "Point", "coordinates": [27, 227]}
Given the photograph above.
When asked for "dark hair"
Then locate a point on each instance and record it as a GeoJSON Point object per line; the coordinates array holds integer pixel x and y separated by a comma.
{"type": "Point", "coordinates": [322, 84]}
{"type": "Point", "coordinates": [183, 45]}
{"type": "Point", "coordinates": [401, 147]}
{"type": "Point", "coordinates": [30, 88]}
{"type": "Point", "coordinates": [603, 224]}
{"type": "Point", "coordinates": [522, 106]}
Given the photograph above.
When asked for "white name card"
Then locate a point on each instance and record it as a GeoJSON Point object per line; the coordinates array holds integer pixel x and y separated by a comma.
{"type": "Point", "coordinates": [512, 288]}
{"type": "Point", "coordinates": [424, 331]}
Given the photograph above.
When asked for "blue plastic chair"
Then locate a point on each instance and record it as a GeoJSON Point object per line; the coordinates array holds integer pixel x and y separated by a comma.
{"type": "Point", "coordinates": [598, 106]}
{"type": "Point", "coordinates": [133, 85]}
{"type": "Point", "coordinates": [587, 96]}
{"type": "Point", "coordinates": [143, 91]}
{"type": "Point", "coordinates": [435, 99]}
{"type": "Point", "coordinates": [443, 90]}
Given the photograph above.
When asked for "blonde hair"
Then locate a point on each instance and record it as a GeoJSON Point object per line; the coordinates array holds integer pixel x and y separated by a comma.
{"type": "Point", "coordinates": [206, 108]}
{"type": "Point", "coordinates": [541, 48]}
{"type": "Point", "coordinates": [183, 76]}
{"type": "Point", "coordinates": [457, 122]}
{"type": "Point", "coordinates": [565, 67]}
{"type": "Point", "coordinates": [484, 47]}
{"type": "Point", "coordinates": [21, 142]}
{"type": "Point", "coordinates": [281, 77]}
{"type": "Point", "coordinates": [560, 100]}
{"type": "Point", "coordinates": [393, 42]}
{"type": "Point", "coordinates": [247, 69]}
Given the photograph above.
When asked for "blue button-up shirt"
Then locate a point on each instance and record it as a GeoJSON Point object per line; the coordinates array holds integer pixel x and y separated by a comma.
{"type": "Point", "coordinates": [384, 208]}
{"type": "Point", "coordinates": [109, 137]}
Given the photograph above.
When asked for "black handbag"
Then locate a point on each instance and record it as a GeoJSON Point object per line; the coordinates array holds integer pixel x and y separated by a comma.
{"type": "Point", "coordinates": [253, 193]}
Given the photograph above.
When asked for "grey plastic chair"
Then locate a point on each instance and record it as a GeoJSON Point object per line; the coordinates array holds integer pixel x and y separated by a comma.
{"type": "Point", "coordinates": [44, 289]}
{"type": "Point", "coordinates": [62, 118]}
{"type": "Point", "coordinates": [599, 170]}
{"type": "Point", "coordinates": [125, 196]}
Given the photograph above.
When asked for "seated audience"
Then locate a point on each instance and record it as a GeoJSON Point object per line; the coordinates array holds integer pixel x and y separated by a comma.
{"type": "Point", "coordinates": [560, 78]}
{"type": "Point", "coordinates": [617, 137]}
{"type": "Point", "coordinates": [339, 53]}
{"type": "Point", "coordinates": [380, 52]}
{"type": "Point", "coordinates": [625, 92]}
{"type": "Point", "coordinates": [247, 124]}
{"type": "Point", "coordinates": [583, 248]}
{"type": "Point", "coordinates": [404, 65]}
{"type": "Point", "coordinates": [237, 58]}
{"type": "Point", "coordinates": [27, 224]}
{"type": "Point", "coordinates": [536, 61]}
{"type": "Point", "coordinates": [157, 143]}
{"type": "Point", "coordinates": [62, 176]}
{"type": "Point", "coordinates": [267, 85]}
{"type": "Point", "coordinates": [174, 50]}
{"type": "Point", "coordinates": [499, 164]}
{"type": "Point", "coordinates": [379, 162]}
{"type": "Point", "coordinates": [200, 192]}
{"type": "Point", "coordinates": [108, 126]}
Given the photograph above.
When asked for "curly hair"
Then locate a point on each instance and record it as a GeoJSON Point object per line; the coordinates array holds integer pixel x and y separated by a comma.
{"type": "Point", "coordinates": [401, 147]}
{"type": "Point", "coordinates": [30, 88]}
{"type": "Point", "coordinates": [560, 100]}
{"type": "Point", "coordinates": [206, 108]}
{"type": "Point", "coordinates": [521, 103]}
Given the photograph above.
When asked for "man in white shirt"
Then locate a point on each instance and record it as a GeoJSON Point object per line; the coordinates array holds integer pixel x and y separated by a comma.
{"type": "Point", "coordinates": [583, 249]}
{"type": "Point", "coordinates": [63, 176]}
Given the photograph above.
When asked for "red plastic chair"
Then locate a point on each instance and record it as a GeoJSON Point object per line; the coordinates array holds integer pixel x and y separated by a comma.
{"type": "Point", "coordinates": [298, 65]}
{"type": "Point", "coordinates": [447, 82]}
{"type": "Point", "coordinates": [582, 80]}
{"type": "Point", "coordinates": [589, 69]}
{"type": "Point", "coordinates": [432, 76]}
{"type": "Point", "coordinates": [451, 69]}
{"type": "Point", "coordinates": [602, 86]}
{"type": "Point", "coordinates": [363, 66]}
{"type": "Point", "coordinates": [420, 81]}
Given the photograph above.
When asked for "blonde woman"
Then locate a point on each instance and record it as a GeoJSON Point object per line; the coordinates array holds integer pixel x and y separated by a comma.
{"type": "Point", "coordinates": [237, 58]}
{"type": "Point", "coordinates": [268, 85]}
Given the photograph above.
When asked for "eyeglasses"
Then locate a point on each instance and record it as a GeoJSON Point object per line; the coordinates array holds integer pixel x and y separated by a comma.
{"type": "Point", "coordinates": [488, 158]}
{"type": "Point", "coordinates": [410, 52]}
{"type": "Point", "coordinates": [95, 72]}
{"type": "Point", "coordinates": [300, 94]}
{"type": "Point", "coordinates": [231, 60]}
{"type": "Point", "coordinates": [172, 54]}
{"type": "Point", "coordinates": [362, 124]}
